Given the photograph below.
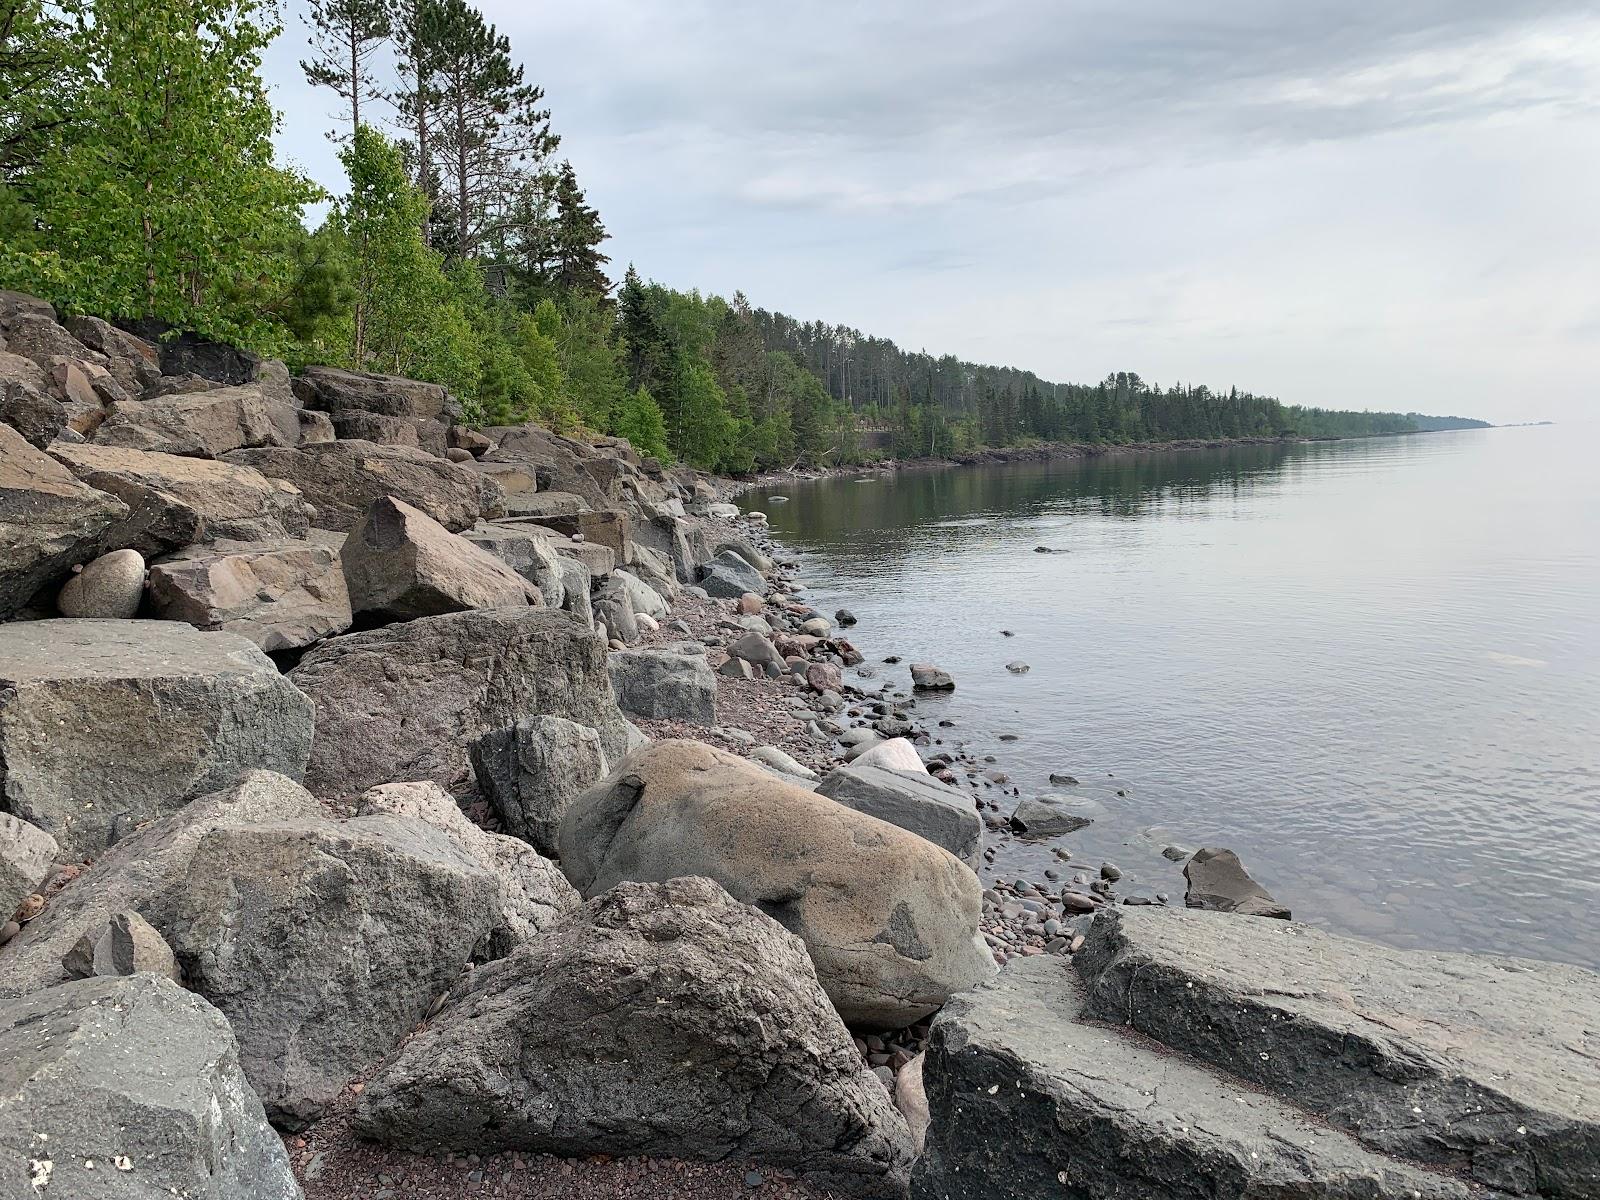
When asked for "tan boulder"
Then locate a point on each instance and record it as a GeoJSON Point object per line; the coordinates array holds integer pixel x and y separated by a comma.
{"type": "Point", "coordinates": [111, 586]}
{"type": "Point", "coordinates": [282, 595]}
{"type": "Point", "coordinates": [399, 563]}
{"type": "Point", "coordinates": [198, 424]}
{"type": "Point", "coordinates": [49, 521]}
{"type": "Point", "coordinates": [890, 919]}
{"type": "Point", "coordinates": [177, 501]}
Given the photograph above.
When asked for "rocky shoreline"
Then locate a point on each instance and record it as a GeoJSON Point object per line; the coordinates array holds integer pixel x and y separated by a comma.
{"type": "Point", "coordinates": [393, 809]}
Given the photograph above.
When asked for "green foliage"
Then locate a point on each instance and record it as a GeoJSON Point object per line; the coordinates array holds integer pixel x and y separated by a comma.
{"type": "Point", "coordinates": [638, 418]}
{"type": "Point", "coordinates": [39, 85]}
{"type": "Point", "coordinates": [591, 358]}
{"type": "Point", "coordinates": [161, 198]}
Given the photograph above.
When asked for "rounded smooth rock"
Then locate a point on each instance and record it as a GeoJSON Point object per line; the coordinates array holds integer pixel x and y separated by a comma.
{"type": "Point", "coordinates": [109, 587]}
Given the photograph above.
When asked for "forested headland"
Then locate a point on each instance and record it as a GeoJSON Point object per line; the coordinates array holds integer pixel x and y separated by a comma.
{"type": "Point", "coordinates": [138, 181]}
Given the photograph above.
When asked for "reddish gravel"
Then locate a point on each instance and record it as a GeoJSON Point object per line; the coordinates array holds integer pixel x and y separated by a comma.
{"type": "Point", "coordinates": [760, 707]}
{"type": "Point", "coordinates": [332, 1164]}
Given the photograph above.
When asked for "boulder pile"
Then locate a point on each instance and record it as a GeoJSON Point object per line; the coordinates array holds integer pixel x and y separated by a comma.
{"type": "Point", "coordinates": [347, 790]}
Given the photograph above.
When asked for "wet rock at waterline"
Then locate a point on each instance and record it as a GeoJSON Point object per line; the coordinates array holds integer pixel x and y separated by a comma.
{"type": "Point", "coordinates": [102, 721]}
{"type": "Point", "coordinates": [116, 1088]}
{"type": "Point", "coordinates": [1049, 816]}
{"type": "Point", "coordinates": [1217, 880]}
{"type": "Point", "coordinates": [659, 1019]}
{"type": "Point", "coordinates": [1477, 1065]}
{"type": "Point", "coordinates": [1030, 1098]}
{"type": "Point", "coordinates": [890, 919]}
{"type": "Point", "coordinates": [925, 677]}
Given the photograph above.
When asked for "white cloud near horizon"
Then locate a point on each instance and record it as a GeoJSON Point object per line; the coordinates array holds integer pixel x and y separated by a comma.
{"type": "Point", "coordinates": [1352, 204]}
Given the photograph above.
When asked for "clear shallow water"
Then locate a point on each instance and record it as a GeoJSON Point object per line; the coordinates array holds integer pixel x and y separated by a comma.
{"type": "Point", "coordinates": [1372, 668]}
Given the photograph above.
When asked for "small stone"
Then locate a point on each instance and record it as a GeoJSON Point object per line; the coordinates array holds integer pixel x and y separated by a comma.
{"type": "Point", "coordinates": [1018, 667]}
{"type": "Point", "coordinates": [1110, 871]}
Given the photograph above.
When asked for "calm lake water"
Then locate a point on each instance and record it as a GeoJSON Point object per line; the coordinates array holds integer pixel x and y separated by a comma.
{"type": "Point", "coordinates": [1372, 668]}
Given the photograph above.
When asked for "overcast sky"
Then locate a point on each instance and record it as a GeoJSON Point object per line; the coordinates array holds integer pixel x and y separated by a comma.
{"type": "Point", "coordinates": [1361, 203]}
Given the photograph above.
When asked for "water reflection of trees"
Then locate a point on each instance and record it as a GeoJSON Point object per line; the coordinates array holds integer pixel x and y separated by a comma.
{"type": "Point", "coordinates": [843, 510]}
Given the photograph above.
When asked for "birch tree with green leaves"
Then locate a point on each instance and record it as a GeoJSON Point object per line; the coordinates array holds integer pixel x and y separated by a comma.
{"type": "Point", "coordinates": [161, 197]}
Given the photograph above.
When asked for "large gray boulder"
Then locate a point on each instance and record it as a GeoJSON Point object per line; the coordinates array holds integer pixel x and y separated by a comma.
{"type": "Point", "coordinates": [528, 551]}
{"type": "Point", "coordinates": [133, 362]}
{"type": "Point", "coordinates": [400, 564]}
{"type": "Point", "coordinates": [124, 1088]}
{"type": "Point", "coordinates": [660, 1019]}
{"type": "Point", "coordinates": [1217, 880]}
{"type": "Point", "coordinates": [27, 854]}
{"type": "Point", "coordinates": [613, 608]}
{"type": "Point", "coordinates": [575, 584]}
{"type": "Point", "coordinates": [322, 941]}
{"type": "Point", "coordinates": [281, 595]}
{"type": "Point", "coordinates": [49, 521]}
{"type": "Point", "coordinates": [1482, 1066]}
{"type": "Point", "coordinates": [343, 478]}
{"type": "Point", "coordinates": [405, 702]}
{"type": "Point", "coordinates": [533, 771]}
{"type": "Point", "coordinates": [661, 684]}
{"type": "Point", "coordinates": [176, 501]}
{"type": "Point", "coordinates": [915, 801]}
{"type": "Point", "coordinates": [534, 894]}
{"type": "Point", "coordinates": [729, 576]}
{"type": "Point", "coordinates": [107, 724]}
{"type": "Point", "coordinates": [644, 598]}
{"type": "Point", "coordinates": [335, 391]}
{"type": "Point", "coordinates": [1029, 1099]}
{"type": "Point", "coordinates": [890, 919]}
{"type": "Point", "coordinates": [196, 424]}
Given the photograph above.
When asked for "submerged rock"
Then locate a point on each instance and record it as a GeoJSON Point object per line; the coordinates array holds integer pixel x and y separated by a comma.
{"type": "Point", "coordinates": [1218, 881]}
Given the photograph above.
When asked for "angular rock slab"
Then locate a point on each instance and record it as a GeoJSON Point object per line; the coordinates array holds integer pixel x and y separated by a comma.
{"type": "Point", "coordinates": [130, 1087]}
{"type": "Point", "coordinates": [405, 703]}
{"type": "Point", "coordinates": [532, 772]}
{"type": "Point", "coordinates": [660, 1019]}
{"type": "Point", "coordinates": [281, 595]}
{"type": "Point", "coordinates": [322, 941]}
{"type": "Point", "coordinates": [177, 502]}
{"type": "Point", "coordinates": [528, 551]}
{"type": "Point", "coordinates": [49, 521]}
{"type": "Point", "coordinates": [332, 390]}
{"type": "Point", "coordinates": [890, 919]}
{"type": "Point", "coordinates": [914, 801]}
{"type": "Point", "coordinates": [534, 894]}
{"type": "Point", "coordinates": [400, 564]}
{"type": "Point", "coordinates": [661, 685]}
{"type": "Point", "coordinates": [1029, 1100]}
{"type": "Point", "coordinates": [343, 479]}
{"type": "Point", "coordinates": [1482, 1065]}
{"type": "Point", "coordinates": [729, 576]}
{"type": "Point", "coordinates": [118, 722]}
{"type": "Point", "coordinates": [26, 855]}
{"type": "Point", "coordinates": [197, 425]}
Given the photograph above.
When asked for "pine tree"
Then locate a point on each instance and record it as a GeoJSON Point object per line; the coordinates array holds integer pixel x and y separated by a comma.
{"type": "Point", "coordinates": [415, 27]}
{"type": "Point", "coordinates": [492, 135]}
{"type": "Point", "coordinates": [345, 34]}
{"type": "Point", "coordinates": [578, 265]}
